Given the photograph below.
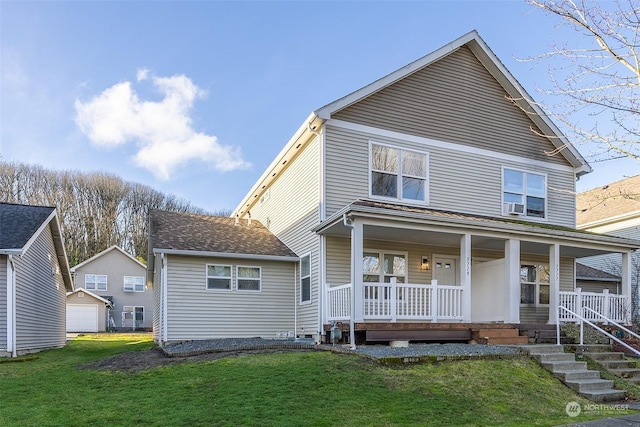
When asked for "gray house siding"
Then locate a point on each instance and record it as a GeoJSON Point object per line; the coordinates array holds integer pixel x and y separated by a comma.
{"type": "Point", "coordinates": [3, 303]}
{"type": "Point", "coordinates": [290, 212]}
{"type": "Point", "coordinates": [199, 313]}
{"type": "Point", "coordinates": [455, 99]}
{"type": "Point", "coordinates": [40, 297]}
{"type": "Point", "coordinates": [452, 173]}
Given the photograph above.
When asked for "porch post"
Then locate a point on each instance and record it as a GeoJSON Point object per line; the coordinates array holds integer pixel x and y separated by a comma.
{"type": "Point", "coordinates": [465, 276]}
{"type": "Point", "coordinates": [554, 282]}
{"type": "Point", "coordinates": [512, 280]}
{"type": "Point", "coordinates": [626, 286]}
{"type": "Point", "coordinates": [356, 269]}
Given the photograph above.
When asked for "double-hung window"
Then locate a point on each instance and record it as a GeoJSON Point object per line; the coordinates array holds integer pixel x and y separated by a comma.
{"type": "Point", "coordinates": [305, 279]}
{"type": "Point", "coordinates": [95, 282]}
{"type": "Point", "coordinates": [219, 277]}
{"type": "Point", "coordinates": [249, 278]}
{"type": "Point", "coordinates": [525, 189]}
{"type": "Point", "coordinates": [133, 284]}
{"type": "Point", "coordinates": [398, 174]}
{"type": "Point", "coordinates": [380, 267]}
{"type": "Point", "coordinates": [534, 285]}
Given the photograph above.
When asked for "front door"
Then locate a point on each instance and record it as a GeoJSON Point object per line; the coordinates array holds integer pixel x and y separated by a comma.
{"type": "Point", "coordinates": [445, 270]}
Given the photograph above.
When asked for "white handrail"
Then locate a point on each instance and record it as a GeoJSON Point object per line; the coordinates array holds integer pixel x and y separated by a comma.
{"type": "Point", "coordinates": [582, 320]}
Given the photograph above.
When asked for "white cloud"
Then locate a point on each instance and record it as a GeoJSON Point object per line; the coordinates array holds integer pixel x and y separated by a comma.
{"type": "Point", "coordinates": [161, 130]}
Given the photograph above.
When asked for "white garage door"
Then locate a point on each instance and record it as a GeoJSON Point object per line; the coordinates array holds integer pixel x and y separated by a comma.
{"type": "Point", "coordinates": [82, 318]}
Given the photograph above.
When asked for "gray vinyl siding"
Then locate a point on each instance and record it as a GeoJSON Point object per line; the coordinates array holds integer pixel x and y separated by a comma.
{"type": "Point", "coordinates": [198, 313]}
{"type": "Point", "coordinates": [457, 100]}
{"type": "Point", "coordinates": [3, 303]}
{"type": "Point", "coordinates": [457, 180]}
{"type": "Point", "coordinates": [40, 297]}
{"type": "Point", "coordinates": [290, 213]}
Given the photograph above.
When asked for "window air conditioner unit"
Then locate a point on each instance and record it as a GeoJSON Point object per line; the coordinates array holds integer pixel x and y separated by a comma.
{"type": "Point", "coordinates": [515, 208]}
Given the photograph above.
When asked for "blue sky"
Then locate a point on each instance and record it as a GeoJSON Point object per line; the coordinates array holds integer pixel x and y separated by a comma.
{"type": "Point", "coordinates": [196, 98]}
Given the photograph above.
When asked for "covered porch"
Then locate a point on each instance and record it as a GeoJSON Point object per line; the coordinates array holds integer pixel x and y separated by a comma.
{"type": "Point", "coordinates": [397, 264]}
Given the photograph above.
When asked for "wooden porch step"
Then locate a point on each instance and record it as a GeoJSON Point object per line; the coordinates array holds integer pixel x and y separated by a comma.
{"type": "Point", "coordinates": [498, 336]}
{"type": "Point", "coordinates": [443, 335]}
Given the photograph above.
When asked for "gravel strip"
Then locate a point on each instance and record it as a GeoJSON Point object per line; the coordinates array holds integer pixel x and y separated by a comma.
{"type": "Point", "coordinates": [412, 353]}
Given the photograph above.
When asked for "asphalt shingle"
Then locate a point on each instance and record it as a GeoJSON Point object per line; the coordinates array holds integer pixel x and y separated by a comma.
{"type": "Point", "coordinates": [19, 222]}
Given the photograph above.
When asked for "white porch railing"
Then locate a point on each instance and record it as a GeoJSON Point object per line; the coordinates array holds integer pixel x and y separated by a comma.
{"type": "Point", "coordinates": [600, 305]}
{"type": "Point", "coordinates": [397, 301]}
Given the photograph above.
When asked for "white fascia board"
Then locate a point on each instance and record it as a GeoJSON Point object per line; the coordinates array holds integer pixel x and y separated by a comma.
{"type": "Point", "coordinates": [35, 235]}
{"type": "Point", "coordinates": [157, 251]}
{"type": "Point", "coordinates": [11, 252]}
{"type": "Point", "coordinates": [276, 165]}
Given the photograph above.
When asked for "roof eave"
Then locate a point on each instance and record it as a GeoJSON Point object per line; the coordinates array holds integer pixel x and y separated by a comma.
{"type": "Point", "coordinates": [210, 254]}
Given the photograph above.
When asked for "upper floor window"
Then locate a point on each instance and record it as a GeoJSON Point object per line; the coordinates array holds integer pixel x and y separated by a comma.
{"type": "Point", "coordinates": [95, 282]}
{"type": "Point", "coordinates": [398, 173]}
{"type": "Point", "coordinates": [305, 278]}
{"type": "Point", "coordinates": [524, 193]}
{"type": "Point", "coordinates": [249, 278]}
{"type": "Point", "coordinates": [134, 284]}
{"type": "Point", "coordinates": [219, 277]}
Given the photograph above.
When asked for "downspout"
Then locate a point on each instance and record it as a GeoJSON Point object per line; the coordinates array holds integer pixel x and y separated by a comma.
{"type": "Point", "coordinates": [295, 301]}
{"type": "Point", "coordinates": [11, 307]}
{"type": "Point", "coordinates": [352, 326]}
{"type": "Point", "coordinates": [321, 263]}
{"type": "Point", "coordinates": [163, 309]}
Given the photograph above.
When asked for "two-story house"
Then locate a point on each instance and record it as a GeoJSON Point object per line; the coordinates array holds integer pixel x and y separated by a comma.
{"type": "Point", "coordinates": [117, 277]}
{"type": "Point", "coordinates": [426, 199]}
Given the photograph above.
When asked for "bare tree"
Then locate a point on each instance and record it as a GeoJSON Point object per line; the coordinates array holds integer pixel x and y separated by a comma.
{"type": "Point", "coordinates": [598, 79]}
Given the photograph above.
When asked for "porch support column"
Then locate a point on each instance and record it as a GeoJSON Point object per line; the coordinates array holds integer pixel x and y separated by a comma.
{"type": "Point", "coordinates": [554, 282]}
{"type": "Point", "coordinates": [465, 276]}
{"type": "Point", "coordinates": [356, 269]}
{"type": "Point", "coordinates": [626, 285]}
{"type": "Point", "coordinates": [512, 281]}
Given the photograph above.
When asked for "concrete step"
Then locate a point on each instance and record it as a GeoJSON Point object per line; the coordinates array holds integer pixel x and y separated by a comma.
{"type": "Point", "coordinates": [604, 356]}
{"type": "Point", "coordinates": [618, 364]}
{"type": "Point", "coordinates": [554, 357]}
{"type": "Point", "coordinates": [589, 348]}
{"type": "Point", "coordinates": [542, 349]}
{"type": "Point", "coordinates": [611, 395]}
{"type": "Point", "coordinates": [564, 366]}
{"type": "Point", "coordinates": [590, 384]}
{"type": "Point", "coordinates": [577, 374]}
{"type": "Point", "coordinates": [627, 374]}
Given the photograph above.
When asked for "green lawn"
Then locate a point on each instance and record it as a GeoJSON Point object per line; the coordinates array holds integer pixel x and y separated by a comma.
{"type": "Point", "coordinates": [282, 389]}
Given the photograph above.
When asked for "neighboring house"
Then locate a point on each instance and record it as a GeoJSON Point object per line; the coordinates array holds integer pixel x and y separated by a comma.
{"type": "Point", "coordinates": [613, 209]}
{"type": "Point", "coordinates": [116, 276]}
{"type": "Point", "coordinates": [590, 279]}
{"type": "Point", "coordinates": [217, 277]}
{"type": "Point", "coordinates": [427, 197]}
{"type": "Point", "coordinates": [34, 280]}
{"type": "Point", "coordinates": [87, 312]}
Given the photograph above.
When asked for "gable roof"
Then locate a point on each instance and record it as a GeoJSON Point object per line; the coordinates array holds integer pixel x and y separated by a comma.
{"type": "Point", "coordinates": [617, 201]}
{"type": "Point", "coordinates": [489, 60]}
{"type": "Point", "coordinates": [203, 235]}
{"type": "Point", "coordinates": [20, 225]}
{"type": "Point", "coordinates": [584, 272]}
{"type": "Point", "coordinates": [106, 251]}
{"type": "Point", "coordinates": [91, 294]}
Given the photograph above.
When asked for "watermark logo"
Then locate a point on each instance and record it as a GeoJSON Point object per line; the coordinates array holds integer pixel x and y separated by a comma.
{"type": "Point", "coordinates": [573, 409]}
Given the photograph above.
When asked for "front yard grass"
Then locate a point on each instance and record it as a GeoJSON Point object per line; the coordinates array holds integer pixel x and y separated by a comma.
{"type": "Point", "coordinates": [280, 389]}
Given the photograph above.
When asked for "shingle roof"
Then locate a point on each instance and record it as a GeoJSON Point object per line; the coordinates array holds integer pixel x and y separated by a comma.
{"type": "Point", "coordinates": [586, 272]}
{"type": "Point", "coordinates": [614, 200]}
{"type": "Point", "coordinates": [203, 233]}
{"type": "Point", "coordinates": [18, 223]}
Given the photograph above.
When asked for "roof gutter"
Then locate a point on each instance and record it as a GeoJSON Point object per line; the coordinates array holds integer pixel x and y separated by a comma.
{"type": "Point", "coordinates": [209, 254]}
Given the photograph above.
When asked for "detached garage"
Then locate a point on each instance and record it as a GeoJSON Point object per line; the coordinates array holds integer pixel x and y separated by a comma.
{"type": "Point", "coordinates": [87, 312]}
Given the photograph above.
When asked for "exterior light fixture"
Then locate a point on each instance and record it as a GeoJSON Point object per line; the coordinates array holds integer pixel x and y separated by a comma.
{"type": "Point", "coordinates": [425, 264]}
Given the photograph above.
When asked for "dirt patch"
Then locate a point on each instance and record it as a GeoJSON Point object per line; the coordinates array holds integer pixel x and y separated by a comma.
{"type": "Point", "coordinates": [146, 359]}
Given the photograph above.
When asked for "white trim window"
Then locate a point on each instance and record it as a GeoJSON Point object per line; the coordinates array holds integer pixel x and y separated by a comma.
{"type": "Point", "coordinates": [133, 284]}
{"type": "Point", "coordinates": [249, 278]}
{"type": "Point", "coordinates": [131, 313]}
{"type": "Point", "coordinates": [380, 267]}
{"type": "Point", "coordinates": [218, 277]}
{"type": "Point", "coordinates": [398, 174]}
{"type": "Point", "coordinates": [95, 282]}
{"type": "Point", "coordinates": [526, 189]}
{"type": "Point", "coordinates": [534, 285]}
{"type": "Point", "coordinates": [305, 279]}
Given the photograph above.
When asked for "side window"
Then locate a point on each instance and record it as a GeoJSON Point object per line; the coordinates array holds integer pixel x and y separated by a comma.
{"type": "Point", "coordinates": [95, 282]}
{"type": "Point", "coordinates": [219, 277]}
{"type": "Point", "coordinates": [249, 278]}
{"type": "Point", "coordinates": [134, 284]}
{"type": "Point", "coordinates": [524, 193]}
{"type": "Point", "coordinates": [305, 278]}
